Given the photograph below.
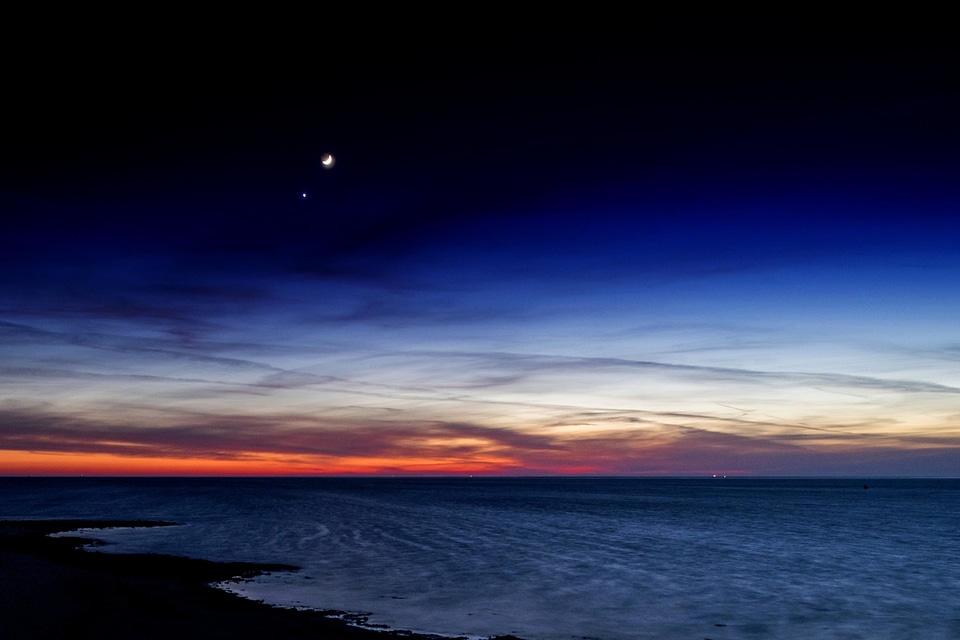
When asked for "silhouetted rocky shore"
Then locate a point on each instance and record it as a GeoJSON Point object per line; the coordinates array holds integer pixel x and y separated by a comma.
{"type": "Point", "coordinates": [51, 588]}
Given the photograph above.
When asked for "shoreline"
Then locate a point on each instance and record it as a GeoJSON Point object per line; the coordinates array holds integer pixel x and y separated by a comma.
{"type": "Point", "coordinates": [52, 587]}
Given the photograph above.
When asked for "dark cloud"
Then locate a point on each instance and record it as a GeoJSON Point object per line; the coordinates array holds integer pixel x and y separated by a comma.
{"type": "Point", "coordinates": [657, 443]}
{"type": "Point", "coordinates": [202, 436]}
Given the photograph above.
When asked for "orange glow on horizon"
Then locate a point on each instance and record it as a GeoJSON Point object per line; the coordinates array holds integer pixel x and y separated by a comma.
{"type": "Point", "coordinates": [21, 463]}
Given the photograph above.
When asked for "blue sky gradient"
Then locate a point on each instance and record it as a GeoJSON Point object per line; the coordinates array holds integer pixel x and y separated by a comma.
{"type": "Point", "coordinates": [648, 259]}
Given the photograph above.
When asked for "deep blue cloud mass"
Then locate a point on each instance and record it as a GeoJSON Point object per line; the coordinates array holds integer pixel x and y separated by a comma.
{"type": "Point", "coordinates": [686, 253]}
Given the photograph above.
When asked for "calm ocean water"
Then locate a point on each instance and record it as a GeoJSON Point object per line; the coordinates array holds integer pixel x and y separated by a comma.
{"type": "Point", "coordinates": [556, 559]}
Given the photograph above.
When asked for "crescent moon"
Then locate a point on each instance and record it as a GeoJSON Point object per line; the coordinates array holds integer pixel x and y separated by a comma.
{"type": "Point", "coordinates": [327, 160]}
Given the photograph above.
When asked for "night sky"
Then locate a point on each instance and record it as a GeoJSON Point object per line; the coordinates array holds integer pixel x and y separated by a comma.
{"type": "Point", "coordinates": [659, 250]}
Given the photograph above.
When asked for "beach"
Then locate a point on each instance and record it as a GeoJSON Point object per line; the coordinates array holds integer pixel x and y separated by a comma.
{"type": "Point", "coordinates": [51, 588]}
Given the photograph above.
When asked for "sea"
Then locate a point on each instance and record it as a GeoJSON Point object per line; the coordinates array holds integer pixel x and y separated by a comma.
{"type": "Point", "coordinates": [559, 558]}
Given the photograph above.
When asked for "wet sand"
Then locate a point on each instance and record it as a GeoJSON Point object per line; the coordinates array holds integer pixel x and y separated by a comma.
{"type": "Point", "coordinates": [50, 588]}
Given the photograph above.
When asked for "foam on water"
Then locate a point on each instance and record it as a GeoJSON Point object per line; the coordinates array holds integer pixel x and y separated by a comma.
{"type": "Point", "coordinates": [552, 559]}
